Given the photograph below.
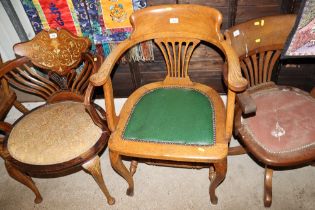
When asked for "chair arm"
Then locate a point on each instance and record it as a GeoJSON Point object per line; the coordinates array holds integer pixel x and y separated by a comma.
{"type": "Point", "coordinates": [101, 77]}
{"type": "Point", "coordinates": [90, 107]}
{"type": "Point", "coordinates": [12, 64]}
{"type": "Point", "coordinates": [246, 103]}
{"type": "Point", "coordinates": [5, 127]}
{"type": "Point", "coordinates": [233, 76]}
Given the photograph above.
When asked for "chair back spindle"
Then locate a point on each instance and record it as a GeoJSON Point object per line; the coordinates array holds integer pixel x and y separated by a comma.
{"type": "Point", "coordinates": [259, 44]}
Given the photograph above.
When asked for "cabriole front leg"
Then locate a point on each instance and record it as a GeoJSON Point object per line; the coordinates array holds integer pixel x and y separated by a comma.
{"type": "Point", "coordinates": [93, 167]}
{"type": "Point", "coordinates": [220, 173]}
{"type": "Point", "coordinates": [121, 169]}
{"type": "Point", "coordinates": [24, 179]}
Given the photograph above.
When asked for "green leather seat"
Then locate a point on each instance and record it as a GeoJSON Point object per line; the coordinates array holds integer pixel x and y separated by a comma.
{"type": "Point", "coordinates": [172, 115]}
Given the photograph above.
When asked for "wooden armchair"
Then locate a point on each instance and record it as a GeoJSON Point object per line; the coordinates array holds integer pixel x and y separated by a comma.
{"type": "Point", "coordinates": [277, 126]}
{"type": "Point", "coordinates": [173, 122]}
{"type": "Point", "coordinates": [58, 137]}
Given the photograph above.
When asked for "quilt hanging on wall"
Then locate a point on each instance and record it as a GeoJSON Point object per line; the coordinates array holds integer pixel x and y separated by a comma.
{"type": "Point", "coordinates": [301, 42]}
{"type": "Point", "coordinates": [105, 22]}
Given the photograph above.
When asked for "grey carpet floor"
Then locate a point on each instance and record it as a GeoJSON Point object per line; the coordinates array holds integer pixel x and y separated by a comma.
{"type": "Point", "coordinates": [165, 188]}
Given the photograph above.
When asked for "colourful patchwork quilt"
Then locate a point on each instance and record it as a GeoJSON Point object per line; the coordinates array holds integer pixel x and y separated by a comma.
{"type": "Point", "coordinates": [105, 22]}
{"type": "Point", "coordinates": [302, 38]}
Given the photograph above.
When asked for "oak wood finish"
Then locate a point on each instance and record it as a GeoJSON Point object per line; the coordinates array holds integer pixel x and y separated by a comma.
{"type": "Point", "coordinates": [202, 69]}
{"type": "Point", "coordinates": [177, 41]}
{"type": "Point", "coordinates": [259, 43]}
{"type": "Point", "coordinates": [63, 75]}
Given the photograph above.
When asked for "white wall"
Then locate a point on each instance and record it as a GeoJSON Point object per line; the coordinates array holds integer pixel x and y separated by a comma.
{"type": "Point", "coordinates": [8, 35]}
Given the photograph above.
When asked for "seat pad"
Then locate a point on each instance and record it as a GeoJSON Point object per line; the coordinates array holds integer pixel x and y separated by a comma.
{"type": "Point", "coordinates": [284, 121]}
{"type": "Point", "coordinates": [172, 115]}
{"type": "Point", "coordinates": [53, 134]}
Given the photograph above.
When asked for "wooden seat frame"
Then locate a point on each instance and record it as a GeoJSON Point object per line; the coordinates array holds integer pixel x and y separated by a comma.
{"type": "Point", "coordinates": [174, 29]}
{"type": "Point", "coordinates": [58, 54]}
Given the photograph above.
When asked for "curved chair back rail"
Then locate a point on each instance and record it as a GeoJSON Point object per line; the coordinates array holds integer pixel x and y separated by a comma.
{"type": "Point", "coordinates": [259, 43]}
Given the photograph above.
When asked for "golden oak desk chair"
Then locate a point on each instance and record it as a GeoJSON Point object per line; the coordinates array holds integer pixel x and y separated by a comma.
{"type": "Point", "coordinates": [277, 126]}
{"type": "Point", "coordinates": [59, 137]}
{"type": "Point", "coordinates": [175, 120]}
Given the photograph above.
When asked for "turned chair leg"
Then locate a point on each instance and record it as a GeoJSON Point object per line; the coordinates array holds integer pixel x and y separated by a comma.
{"type": "Point", "coordinates": [121, 169]}
{"type": "Point", "coordinates": [216, 177]}
{"type": "Point", "coordinates": [24, 179]}
{"type": "Point", "coordinates": [133, 167]}
{"type": "Point", "coordinates": [268, 187]}
{"type": "Point", "coordinates": [93, 167]}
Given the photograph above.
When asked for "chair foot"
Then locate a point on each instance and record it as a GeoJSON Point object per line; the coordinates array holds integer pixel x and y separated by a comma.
{"type": "Point", "coordinates": [24, 179]}
{"type": "Point", "coordinates": [268, 187]}
{"type": "Point", "coordinates": [93, 167]}
{"type": "Point", "coordinates": [220, 173]}
{"type": "Point", "coordinates": [133, 167]}
{"type": "Point", "coordinates": [121, 169]}
{"type": "Point", "coordinates": [237, 150]}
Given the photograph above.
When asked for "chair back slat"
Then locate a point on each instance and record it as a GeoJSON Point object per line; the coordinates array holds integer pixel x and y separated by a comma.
{"type": "Point", "coordinates": [177, 53]}
{"type": "Point", "coordinates": [259, 43]}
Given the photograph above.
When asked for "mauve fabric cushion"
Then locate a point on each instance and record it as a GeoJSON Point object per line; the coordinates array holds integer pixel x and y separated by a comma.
{"type": "Point", "coordinates": [284, 121]}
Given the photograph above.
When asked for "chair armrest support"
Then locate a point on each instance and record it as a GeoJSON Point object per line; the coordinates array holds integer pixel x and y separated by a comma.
{"type": "Point", "coordinates": [232, 73]}
{"type": "Point", "coordinates": [101, 77]}
{"type": "Point", "coordinates": [246, 103]}
{"type": "Point", "coordinates": [5, 127]}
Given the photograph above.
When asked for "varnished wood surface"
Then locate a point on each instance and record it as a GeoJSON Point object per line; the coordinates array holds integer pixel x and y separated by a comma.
{"type": "Point", "coordinates": [259, 43]}
{"type": "Point", "coordinates": [56, 50]}
{"type": "Point", "coordinates": [205, 70]}
{"type": "Point", "coordinates": [177, 30]}
{"type": "Point", "coordinates": [57, 80]}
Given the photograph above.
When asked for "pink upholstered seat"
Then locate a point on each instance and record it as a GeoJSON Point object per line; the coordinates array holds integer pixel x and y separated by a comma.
{"type": "Point", "coordinates": [284, 123]}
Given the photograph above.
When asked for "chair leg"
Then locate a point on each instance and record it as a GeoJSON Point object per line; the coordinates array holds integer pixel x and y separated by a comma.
{"type": "Point", "coordinates": [268, 187]}
{"type": "Point", "coordinates": [24, 179]}
{"type": "Point", "coordinates": [93, 167]}
{"type": "Point", "coordinates": [133, 167]}
{"type": "Point", "coordinates": [220, 173]}
{"type": "Point", "coordinates": [121, 169]}
{"type": "Point", "coordinates": [211, 173]}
